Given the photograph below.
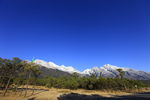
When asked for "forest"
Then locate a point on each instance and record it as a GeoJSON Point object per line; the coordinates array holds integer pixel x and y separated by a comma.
{"type": "Point", "coordinates": [15, 73]}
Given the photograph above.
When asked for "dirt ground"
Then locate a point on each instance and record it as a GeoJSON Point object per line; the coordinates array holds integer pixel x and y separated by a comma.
{"type": "Point", "coordinates": [80, 94]}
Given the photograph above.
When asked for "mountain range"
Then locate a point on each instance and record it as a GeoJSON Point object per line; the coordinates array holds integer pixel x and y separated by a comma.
{"type": "Point", "coordinates": [52, 69]}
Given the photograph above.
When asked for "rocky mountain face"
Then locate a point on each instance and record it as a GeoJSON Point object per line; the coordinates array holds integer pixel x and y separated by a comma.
{"type": "Point", "coordinates": [52, 69]}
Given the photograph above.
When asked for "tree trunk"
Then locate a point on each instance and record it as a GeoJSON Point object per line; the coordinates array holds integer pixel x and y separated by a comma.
{"type": "Point", "coordinates": [22, 90]}
{"type": "Point", "coordinates": [26, 89]}
{"type": "Point", "coordinates": [16, 88]}
{"type": "Point", "coordinates": [2, 83]}
{"type": "Point", "coordinates": [7, 86]}
{"type": "Point", "coordinates": [34, 84]}
{"type": "Point", "coordinates": [1, 78]}
{"type": "Point", "coordinates": [33, 90]}
{"type": "Point", "coordinates": [27, 84]}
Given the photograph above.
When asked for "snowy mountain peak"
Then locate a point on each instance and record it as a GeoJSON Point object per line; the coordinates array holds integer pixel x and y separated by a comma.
{"type": "Point", "coordinates": [111, 71]}
{"type": "Point", "coordinates": [107, 70]}
{"type": "Point", "coordinates": [52, 65]}
{"type": "Point", "coordinates": [108, 66]}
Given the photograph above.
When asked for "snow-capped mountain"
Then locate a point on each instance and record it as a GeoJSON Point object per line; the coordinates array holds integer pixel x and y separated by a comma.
{"type": "Point", "coordinates": [111, 71]}
{"type": "Point", "coordinates": [104, 71]}
{"type": "Point", "coordinates": [52, 65]}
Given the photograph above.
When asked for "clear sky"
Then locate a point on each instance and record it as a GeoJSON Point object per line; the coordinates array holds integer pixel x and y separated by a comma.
{"type": "Point", "coordinates": [80, 33]}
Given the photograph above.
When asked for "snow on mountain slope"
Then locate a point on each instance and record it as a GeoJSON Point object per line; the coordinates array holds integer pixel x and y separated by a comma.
{"type": "Point", "coordinates": [111, 71]}
{"type": "Point", "coordinates": [104, 71]}
{"type": "Point", "coordinates": [52, 65]}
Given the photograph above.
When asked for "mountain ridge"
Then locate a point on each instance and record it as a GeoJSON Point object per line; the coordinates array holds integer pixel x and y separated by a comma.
{"type": "Point", "coordinates": [105, 71]}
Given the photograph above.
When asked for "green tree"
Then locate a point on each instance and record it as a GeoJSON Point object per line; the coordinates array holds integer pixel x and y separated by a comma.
{"type": "Point", "coordinates": [31, 70]}
{"type": "Point", "coordinates": [121, 73]}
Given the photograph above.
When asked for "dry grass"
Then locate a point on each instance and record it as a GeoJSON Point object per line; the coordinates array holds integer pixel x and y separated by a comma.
{"type": "Point", "coordinates": [53, 93]}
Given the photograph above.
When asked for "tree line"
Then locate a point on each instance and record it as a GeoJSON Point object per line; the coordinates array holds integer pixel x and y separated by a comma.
{"type": "Point", "coordinates": [90, 83]}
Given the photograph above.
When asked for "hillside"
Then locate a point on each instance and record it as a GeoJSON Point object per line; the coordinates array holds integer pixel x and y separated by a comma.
{"type": "Point", "coordinates": [52, 72]}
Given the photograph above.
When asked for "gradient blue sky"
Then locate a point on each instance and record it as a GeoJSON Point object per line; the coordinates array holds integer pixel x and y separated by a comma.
{"type": "Point", "coordinates": [80, 33]}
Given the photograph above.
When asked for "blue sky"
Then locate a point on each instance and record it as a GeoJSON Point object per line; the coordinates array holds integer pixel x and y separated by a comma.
{"type": "Point", "coordinates": [80, 33]}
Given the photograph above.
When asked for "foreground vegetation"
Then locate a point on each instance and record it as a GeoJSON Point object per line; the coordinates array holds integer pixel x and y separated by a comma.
{"type": "Point", "coordinates": [17, 75]}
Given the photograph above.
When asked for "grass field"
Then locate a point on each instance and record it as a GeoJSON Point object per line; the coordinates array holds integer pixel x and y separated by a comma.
{"type": "Point", "coordinates": [80, 94]}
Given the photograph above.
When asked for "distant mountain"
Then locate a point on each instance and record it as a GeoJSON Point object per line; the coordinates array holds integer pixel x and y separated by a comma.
{"type": "Point", "coordinates": [52, 69]}
{"type": "Point", "coordinates": [52, 65]}
{"type": "Point", "coordinates": [111, 71]}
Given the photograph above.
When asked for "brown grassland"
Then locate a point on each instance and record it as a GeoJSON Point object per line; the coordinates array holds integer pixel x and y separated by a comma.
{"type": "Point", "coordinates": [53, 93]}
